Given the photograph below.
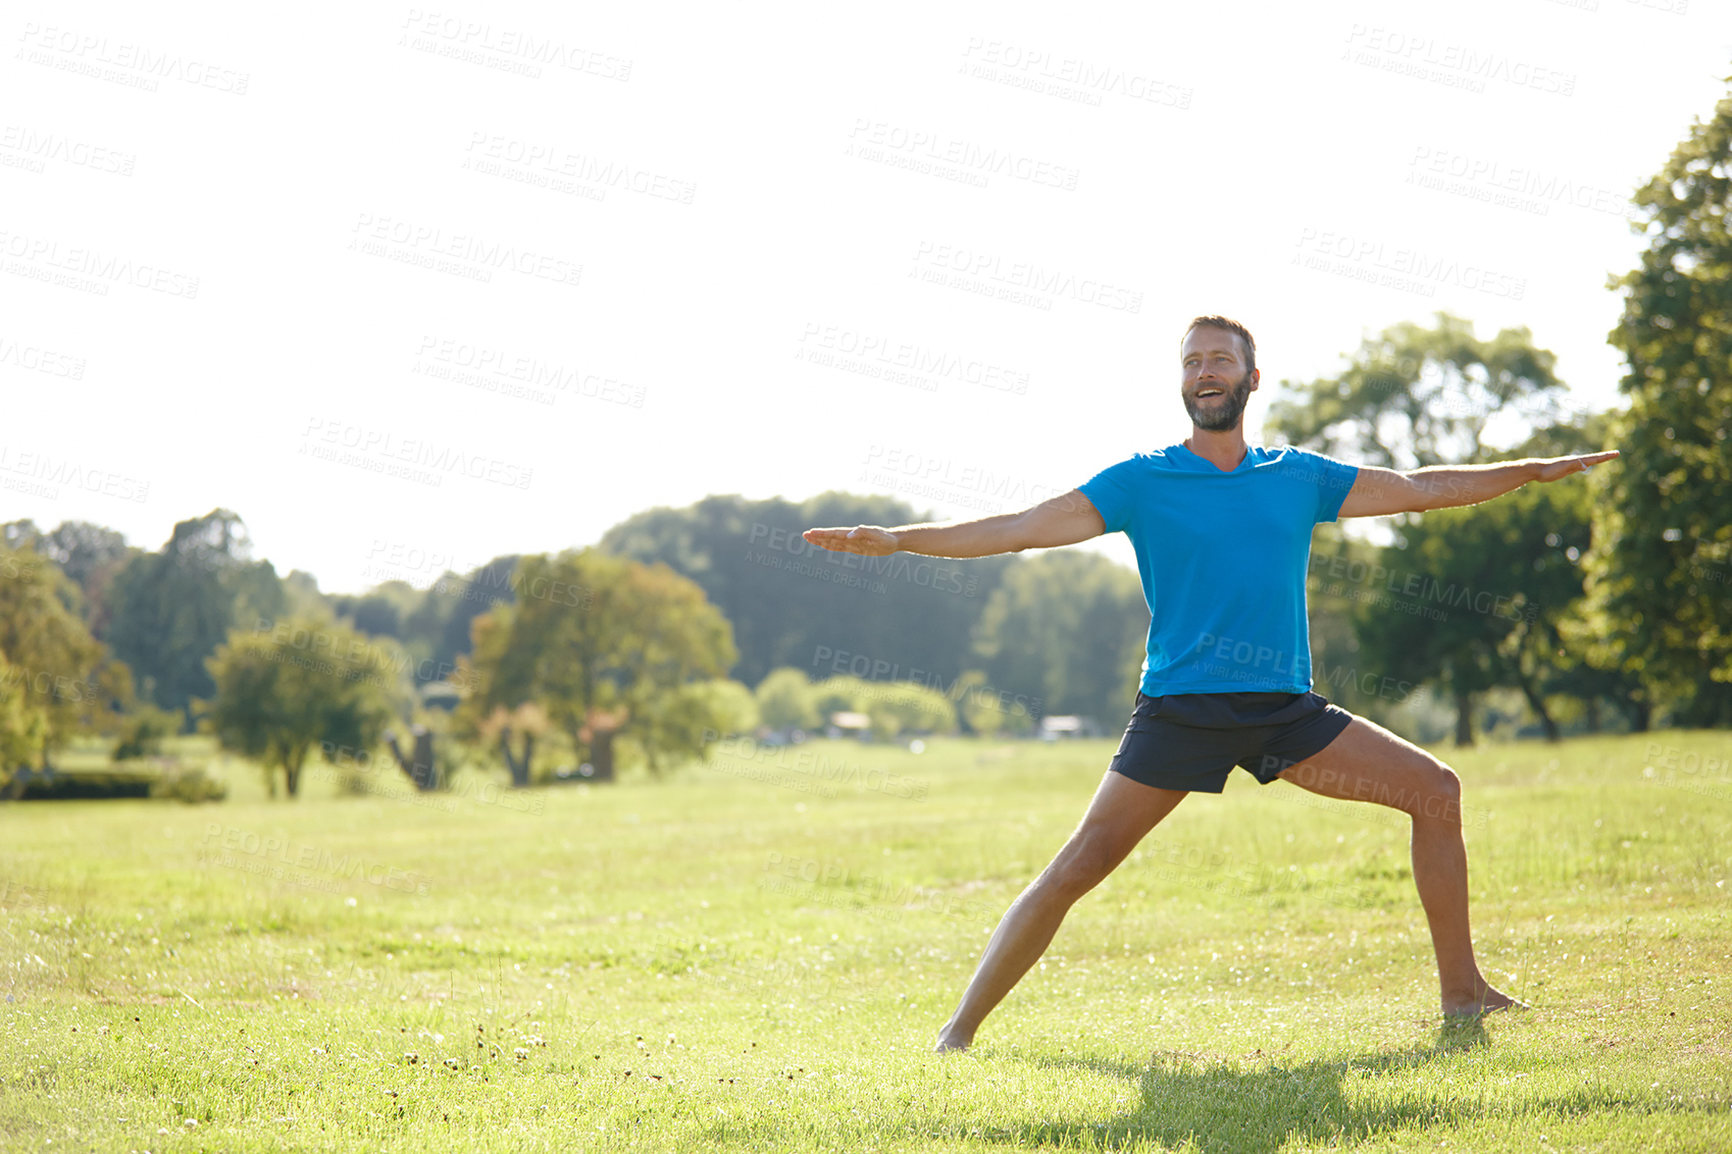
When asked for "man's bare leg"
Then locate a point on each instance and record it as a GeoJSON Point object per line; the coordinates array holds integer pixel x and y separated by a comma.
{"type": "Point", "coordinates": [1120, 814]}
{"type": "Point", "coordinates": [1369, 763]}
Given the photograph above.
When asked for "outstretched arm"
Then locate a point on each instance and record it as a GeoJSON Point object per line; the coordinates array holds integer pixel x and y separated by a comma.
{"type": "Point", "coordinates": [1063, 520]}
{"type": "Point", "coordinates": [1377, 492]}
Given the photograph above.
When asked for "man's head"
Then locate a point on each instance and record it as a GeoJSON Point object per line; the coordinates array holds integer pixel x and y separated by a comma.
{"type": "Point", "coordinates": [1218, 359]}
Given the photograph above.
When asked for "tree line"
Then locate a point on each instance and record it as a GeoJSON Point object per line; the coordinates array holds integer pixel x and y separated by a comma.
{"type": "Point", "coordinates": [1598, 603]}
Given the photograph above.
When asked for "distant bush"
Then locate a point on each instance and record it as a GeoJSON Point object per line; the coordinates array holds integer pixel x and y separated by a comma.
{"type": "Point", "coordinates": [188, 783]}
{"type": "Point", "coordinates": [142, 733]}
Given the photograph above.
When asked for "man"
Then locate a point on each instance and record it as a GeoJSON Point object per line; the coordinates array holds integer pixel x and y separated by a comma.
{"type": "Point", "coordinates": [1222, 533]}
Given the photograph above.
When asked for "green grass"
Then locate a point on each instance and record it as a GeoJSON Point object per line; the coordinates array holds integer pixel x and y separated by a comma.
{"type": "Point", "coordinates": [756, 956]}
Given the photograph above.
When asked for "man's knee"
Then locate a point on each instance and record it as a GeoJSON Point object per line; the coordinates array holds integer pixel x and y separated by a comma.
{"type": "Point", "coordinates": [1086, 859]}
{"type": "Point", "coordinates": [1440, 794]}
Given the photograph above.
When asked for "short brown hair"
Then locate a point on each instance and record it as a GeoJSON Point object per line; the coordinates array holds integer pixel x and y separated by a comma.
{"type": "Point", "coordinates": [1244, 334]}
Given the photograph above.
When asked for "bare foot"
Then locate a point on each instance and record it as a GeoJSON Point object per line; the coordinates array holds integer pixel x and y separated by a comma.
{"type": "Point", "coordinates": [948, 1041]}
{"type": "Point", "coordinates": [1483, 1000]}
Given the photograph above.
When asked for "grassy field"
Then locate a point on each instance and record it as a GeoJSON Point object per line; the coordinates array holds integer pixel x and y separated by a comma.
{"type": "Point", "coordinates": [756, 955]}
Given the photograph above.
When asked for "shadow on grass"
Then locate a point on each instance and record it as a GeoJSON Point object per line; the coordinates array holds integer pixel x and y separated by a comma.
{"type": "Point", "coordinates": [1229, 1107]}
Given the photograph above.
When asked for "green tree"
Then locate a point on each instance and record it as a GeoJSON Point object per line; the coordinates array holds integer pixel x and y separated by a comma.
{"type": "Point", "coordinates": [989, 712]}
{"type": "Point", "coordinates": [303, 684]}
{"type": "Point", "coordinates": [600, 644]}
{"type": "Point", "coordinates": [891, 708]}
{"type": "Point", "coordinates": [790, 601]}
{"type": "Point", "coordinates": [1065, 632]}
{"type": "Point", "coordinates": [1473, 598]}
{"type": "Point", "coordinates": [1661, 593]}
{"type": "Point", "coordinates": [904, 707]}
{"type": "Point", "coordinates": [90, 556]}
{"type": "Point", "coordinates": [688, 718]}
{"type": "Point", "coordinates": [143, 732]}
{"type": "Point", "coordinates": [785, 700]}
{"type": "Point", "coordinates": [1415, 395]}
{"type": "Point", "coordinates": [23, 723]}
{"type": "Point", "coordinates": [172, 609]}
{"type": "Point", "coordinates": [60, 678]}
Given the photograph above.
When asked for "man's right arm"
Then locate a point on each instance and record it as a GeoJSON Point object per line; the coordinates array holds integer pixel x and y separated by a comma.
{"type": "Point", "coordinates": [1062, 520]}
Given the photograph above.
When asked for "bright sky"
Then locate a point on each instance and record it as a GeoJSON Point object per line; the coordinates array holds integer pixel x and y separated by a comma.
{"type": "Point", "coordinates": [411, 286]}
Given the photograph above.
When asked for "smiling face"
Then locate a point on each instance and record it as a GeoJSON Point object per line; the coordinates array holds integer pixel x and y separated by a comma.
{"type": "Point", "coordinates": [1216, 381]}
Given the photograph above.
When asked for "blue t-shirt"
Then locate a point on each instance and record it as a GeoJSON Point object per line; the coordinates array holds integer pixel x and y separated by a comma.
{"type": "Point", "coordinates": [1223, 558]}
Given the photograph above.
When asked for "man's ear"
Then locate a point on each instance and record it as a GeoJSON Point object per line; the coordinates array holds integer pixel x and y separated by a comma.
{"type": "Point", "coordinates": [1256, 375]}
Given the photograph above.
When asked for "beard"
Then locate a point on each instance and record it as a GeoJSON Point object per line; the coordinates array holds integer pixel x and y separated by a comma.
{"type": "Point", "coordinates": [1223, 412]}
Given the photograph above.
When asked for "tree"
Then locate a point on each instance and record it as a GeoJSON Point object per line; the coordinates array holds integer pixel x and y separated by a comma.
{"type": "Point", "coordinates": [303, 684]}
{"type": "Point", "coordinates": [90, 556]}
{"type": "Point", "coordinates": [1066, 632]}
{"type": "Point", "coordinates": [1414, 396]}
{"type": "Point", "coordinates": [1472, 598]}
{"type": "Point", "coordinates": [60, 679]}
{"type": "Point", "coordinates": [899, 707]}
{"type": "Point", "coordinates": [173, 608]}
{"type": "Point", "coordinates": [600, 644]}
{"type": "Point", "coordinates": [143, 732]}
{"type": "Point", "coordinates": [793, 604]}
{"type": "Point", "coordinates": [689, 717]}
{"type": "Point", "coordinates": [1661, 593]}
{"type": "Point", "coordinates": [23, 723]}
{"type": "Point", "coordinates": [785, 700]}
{"type": "Point", "coordinates": [892, 708]}
{"type": "Point", "coordinates": [988, 712]}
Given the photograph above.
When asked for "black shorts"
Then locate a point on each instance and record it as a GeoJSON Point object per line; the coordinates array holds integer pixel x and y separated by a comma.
{"type": "Point", "coordinates": [1192, 741]}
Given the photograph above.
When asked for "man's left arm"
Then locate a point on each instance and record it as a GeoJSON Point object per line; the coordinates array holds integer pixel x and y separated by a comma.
{"type": "Point", "coordinates": [1378, 492]}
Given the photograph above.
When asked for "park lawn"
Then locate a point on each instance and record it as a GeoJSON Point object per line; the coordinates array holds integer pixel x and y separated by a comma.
{"type": "Point", "coordinates": [757, 953]}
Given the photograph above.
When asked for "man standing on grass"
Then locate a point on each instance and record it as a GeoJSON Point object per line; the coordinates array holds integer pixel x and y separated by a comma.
{"type": "Point", "coordinates": [1222, 533]}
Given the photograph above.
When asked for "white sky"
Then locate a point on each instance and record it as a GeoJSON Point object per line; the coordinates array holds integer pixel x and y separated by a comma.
{"type": "Point", "coordinates": [737, 192]}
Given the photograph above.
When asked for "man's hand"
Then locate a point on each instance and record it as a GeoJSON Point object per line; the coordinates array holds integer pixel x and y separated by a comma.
{"type": "Point", "coordinates": [867, 539]}
{"type": "Point", "coordinates": [1551, 468]}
